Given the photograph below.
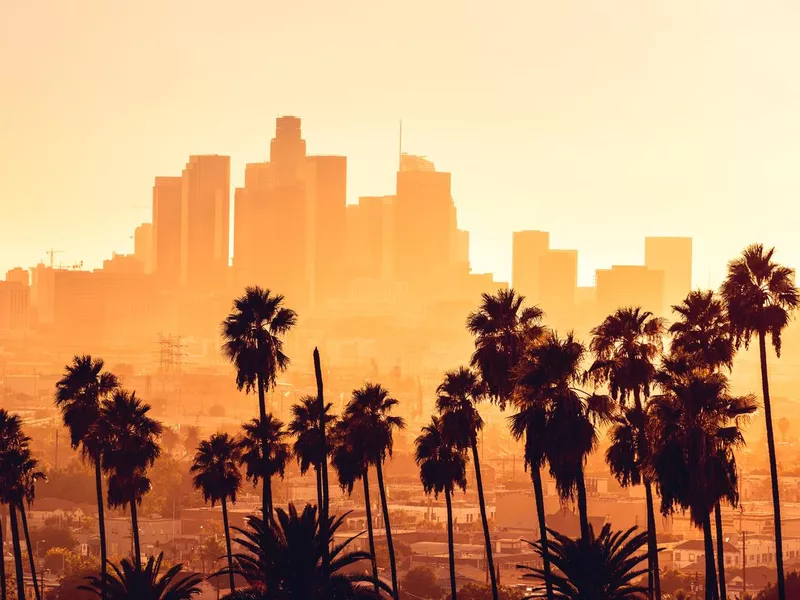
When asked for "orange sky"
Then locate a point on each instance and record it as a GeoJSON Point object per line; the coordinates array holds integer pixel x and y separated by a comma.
{"type": "Point", "coordinates": [600, 121]}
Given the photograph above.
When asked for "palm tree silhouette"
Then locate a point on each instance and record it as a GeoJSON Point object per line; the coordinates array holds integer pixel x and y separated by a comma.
{"type": "Point", "coordinates": [759, 297]}
{"type": "Point", "coordinates": [369, 410]}
{"type": "Point", "coordinates": [217, 476]}
{"type": "Point", "coordinates": [603, 566]}
{"type": "Point", "coordinates": [502, 329]}
{"type": "Point", "coordinates": [694, 436]}
{"type": "Point", "coordinates": [191, 438]}
{"type": "Point", "coordinates": [442, 467]}
{"type": "Point", "coordinates": [251, 447]}
{"type": "Point", "coordinates": [130, 581]}
{"type": "Point", "coordinates": [283, 558]}
{"type": "Point", "coordinates": [309, 448]}
{"type": "Point", "coordinates": [29, 476]}
{"type": "Point", "coordinates": [457, 398]}
{"type": "Point", "coordinates": [129, 439]}
{"type": "Point", "coordinates": [253, 334]}
{"type": "Point", "coordinates": [626, 345]}
{"type": "Point", "coordinates": [79, 395]}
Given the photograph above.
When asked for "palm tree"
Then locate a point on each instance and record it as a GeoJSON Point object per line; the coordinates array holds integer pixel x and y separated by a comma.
{"type": "Point", "coordinates": [2, 562]}
{"type": "Point", "coordinates": [457, 397]}
{"type": "Point", "coordinates": [442, 467]}
{"type": "Point", "coordinates": [251, 446]}
{"type": "Point", "coordinates": [284, 558]}
{"type": "Point", "coordinates": [191, 438]}
{"type": "Point", "coordinates": [79, 395]}
{"type": "Point", "coordinates": [253, 334]}
{"type": "Point", "coordinates": [369, 410]}
{"type": "Point", "coordinates": [694, 435]}
{"type": "Point", "coordinates": [502, 329]}
{"type": "Point", "coordinates": [217, 476]}
{"type": "Point", "coordinates": [602, 567]}
{"type": "Point", "coordinates": [14, 459]}
{"type": "Point", "coordinates": [759, 297]}
{"type": "Point", "coordinates": [30, 475]}
{"type": "Point", "coordinates": [129, 439]}
{"type": "Point", "coordinates": [309, 448]}
{"type": "Point", "coordinates": [626, 345]}
{"type": "Point", "coordinates": [130, 581]}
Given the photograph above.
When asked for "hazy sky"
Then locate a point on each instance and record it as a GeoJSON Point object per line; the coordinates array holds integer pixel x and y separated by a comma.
{"type": "Point", "coordinates": [600, 121]}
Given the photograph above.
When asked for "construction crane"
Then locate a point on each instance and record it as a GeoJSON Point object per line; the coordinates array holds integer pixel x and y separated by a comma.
{"type": "Point", "coordinates": [51, 253]}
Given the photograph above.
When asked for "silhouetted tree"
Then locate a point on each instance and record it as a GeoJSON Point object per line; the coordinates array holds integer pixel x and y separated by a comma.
{"type": "Point", "coordinates": [442, 468]}
{"type": "Point", "coordinates": [251, 446]}
{"type": "Point", "coordinates": [759, 297]}
{"type": "Point", "coordinates": [79, 395]}
{"type": "Point", "coordinates": [253, 334]}
{"type": "Point", "coordinates": [309, 448]}
{"type": "Point", "coordinates": [27, 492]}
{"type": "Point", "coordinates": [15, 461]}
{"type": "Point", "coordinates": [130, 580]}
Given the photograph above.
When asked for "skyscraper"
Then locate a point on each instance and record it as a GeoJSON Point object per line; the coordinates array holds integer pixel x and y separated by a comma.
{"type": "Point", "coordinates": [630, 285]}
{"type": "Point", "coordinates": [557, 286]}
{"type": "Point", "coordinates": [673, 256]}
{"type": "Point", "coordinates": [205, 206]}
{"type": "Point", "coordinates": [167, 231]}
{"type": "Point", "coordinates": [143, 246]}
{"type": "Point", "coordinates": [369, 238]}
{"type": "Point", "coordinates": [527, 248]}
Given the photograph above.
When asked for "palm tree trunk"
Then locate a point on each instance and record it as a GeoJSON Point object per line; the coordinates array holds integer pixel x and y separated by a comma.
{"type": "Point", "coordinates": [2, 560]}
{"type": "Point", "coordinates": [485, 522]}
{"type": "Point", "coordinates": [137, 551]}
{"type": "Point", "coordinates": [318, 471]}
{"type": "Point", "coordinates": [723, 592]}
{"type": "Point", "coordinates": [268, 493]}
{"type": "Point", "coordinates": [24, 519]}
{"type": "Point", "coordinates": [370, 533]}
{"type": "Point", "coordinates": [101, 521]}
{"type": "Point", "coordinates": [387, 526]}
{"type": "Point", "coordinates": [652, 542]}
{"type": "Point", "coordinates": [536, 476]}
{"type": "Point", "coordinates": [17, 552]}
{"type": "Point", "coordinates": [583, 506]}
{"type": "Point", "coordinates": [450, 549]}
{"type": "Point", "coordinates": [773, 465]}
{"type": "Point", "coordinates": [712, 592]}
{"type": "Point", "coordinates": [228, 542]}
{"type": "Point", "coordinates": [262, 414]}
{"type": "Point", "coordinates": [324, 463]}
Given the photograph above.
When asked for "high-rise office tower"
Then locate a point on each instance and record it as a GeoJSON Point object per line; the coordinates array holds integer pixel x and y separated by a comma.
{"type": "Point", "coordinates": [205, 206]}
{"type": "Point", "coordinates": [630, 285]}
{"type": "Point", "coordinates": [527, 248]}
{"type": "Point", "coordinates": [369, 238]}
{"type": "Point", "coordinates": [143, 246]}
{"type": "Point", "coordinates": [673, 256]}
{"type": "Point", "coordinates": [557, 286]}
{"type": "Point", "coordinates": [167, 231]}
{"type": "Point", "coordinates": [252, 227]}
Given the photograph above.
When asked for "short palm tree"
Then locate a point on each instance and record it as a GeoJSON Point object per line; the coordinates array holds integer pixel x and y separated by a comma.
{"type": "Point", "coordinates": [253, 333]}
{"type": "Point", "coordinates": [251, 448]}
{"type": "Point", "coordinates": [759, 296]}
{"type": "Point", "coordinates": [457, 398]}
{"type": "Point", "coordinates": [596, 567]}
{"type": "Point", "coordinates": [626, 346]}
{"type": "Point", "coordinates": [129, 446]}
{"type": "Point", "coordinates": [369, 410]}
{"type": "Point", "coordinates": [191, 438]}
{"type": "Point", "coordinates": [442, 468]}
{"type": "Point", "coordinates": [217, 476]}
{"type": "Point", "coordinates": [283, 559]}
{"type": "Point", "coordinates": [502, 328]}
{"type": "Point", "coordinates": [309, 448]}
{"type": "Point", "coordinates": [130, 581]}
{"type": "Point", "coordinates": [80, 392]}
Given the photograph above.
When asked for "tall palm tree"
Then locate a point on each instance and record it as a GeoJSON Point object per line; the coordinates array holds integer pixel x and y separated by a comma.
{"type": "Point", "coordinates": [502, 328]}
{"type": "Point", "coordinates": [309, 447]}
{"type": "Point", "coordinates": [129, 439]}
{"type": "Point", "coordinates": [216, 475]}
{"type": "Point", "coordinates": [253, 334]}
{"type": "Point", "coordinates": [2, 562]}
{"type": "Point", "coordinates": [442, 468]}
{"type": "Point", "coordinates": [369, 410]}
{"type": "Point", "coordinates": [759, 296]}
{"type": "Point", "coordinates": [30, 475]}
{"type": "Point", "coordinates": [14, 458]}
{"type": "Point", "coordinates": [130, 581]}
{"type": "Point", "coordinates": [79, 395]}
{"type": "Point", "coordinates": [694, 435]}
{"type": "Point", "coordinates": [457, 398]}
{"type": "Point", "coordinates": [626, 346]}
{"type": "Point", "coordinates": [602, 567]}
{"type": "Point", "coordinates": [251, 447]}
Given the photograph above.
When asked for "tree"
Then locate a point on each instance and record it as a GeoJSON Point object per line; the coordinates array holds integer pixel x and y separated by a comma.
{"type": "Point", "coordinates": [759, 297]}
{"type": "Point", "coordinates": [283, 558]}
{"type": "Point", "coordinates": [255, 437]}
{"type": "Point", "coordinates": [420, 582]}
{"type": "Point", "coordinates": [310, 449]}
{"type": "Point", "coordinates": [442, 468]}
{"type": "Point", "coordinates": [602, 567]}
{"type": "Point", "coordinates": [191, 438]}
{"type": "Point", "coordinates": [27, 493]}
{"type": "Point", "coordinates": [626, 345]}
{"type": "Point", "coordinates": [253, 333]}
{"type": "Point", "coordinates": [80, 393]}
{"type": "Point", "coordinates": [457, 397]}
{"type": "Point", "coordinates": [129, 581]}
{"type": "Point", "coordinates": [369, 410]}
{"type": "Point", "coordinates": [502, 329]}
{"type": "Point", "coordinates": [217, 476]}
{"type": "Point", "coordinates": [129, 439]}
{"type": "Point", "coordinates": [14, 462]}
{"type": "Point", "coordinates": [792, 588]}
